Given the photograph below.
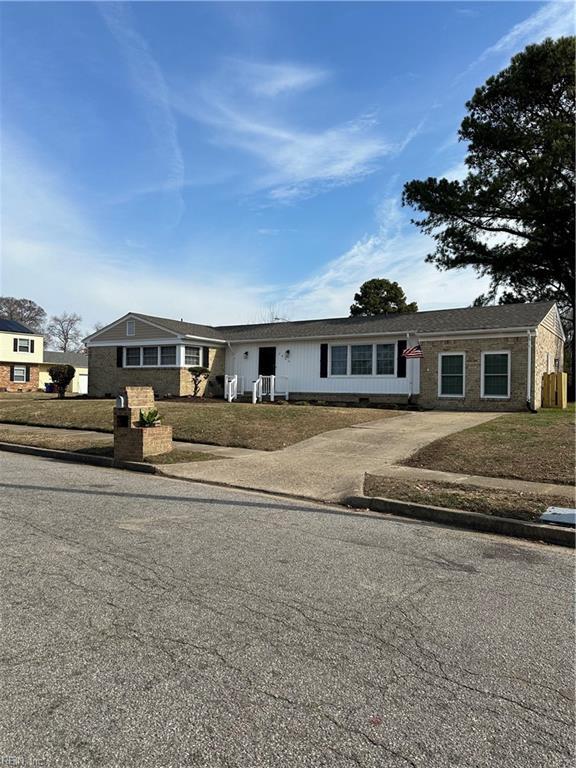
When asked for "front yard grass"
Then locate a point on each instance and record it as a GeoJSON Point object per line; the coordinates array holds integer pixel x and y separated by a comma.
{"type": "Point", "coordinates": [525, 446]}
{"type": "Point", "coordinates": [490, 501]}
{"type": "Point", "coordinates": [265, 427]}
{"type": "Point", "coordinates": [100, 445]}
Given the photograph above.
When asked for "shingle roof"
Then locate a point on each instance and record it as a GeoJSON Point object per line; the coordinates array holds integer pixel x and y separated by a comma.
{"type": "Point", "coordinates": [13, 326]}
{"type": "Point", "coordinates": [76, 359]}
{"type": "Point", "coordinates": [437, 321]}
{"type": "Point", "coordinates": [179, 326]}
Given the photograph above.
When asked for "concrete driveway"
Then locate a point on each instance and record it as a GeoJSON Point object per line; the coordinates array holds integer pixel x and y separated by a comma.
{"type": "Point", "coordinates": [150, 623]}
{"type": "Point", "coordinates": [331, 466]}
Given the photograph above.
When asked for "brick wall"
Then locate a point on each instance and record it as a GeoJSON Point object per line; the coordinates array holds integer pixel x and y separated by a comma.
{"type": "Point", "coordinates": [18, 386]}
{"type": "Point", "coordinates": [548, 344]}
{"type": "Point", "coordinates": [107, 379]}
{"type": "Point", "coordinates": [472, 400]}
{"type": "Point", "coordinates": [135, 443]}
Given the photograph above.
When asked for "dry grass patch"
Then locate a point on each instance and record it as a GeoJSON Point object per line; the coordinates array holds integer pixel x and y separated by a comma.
{"type": "Point", "coordinates": [264, 427]}
{"type": "Point", "coordinates": [94, 445]}
{"type": "Point", "coordinates": [525, 446]}
{"type": "Point", "coordinates": [490, 501]}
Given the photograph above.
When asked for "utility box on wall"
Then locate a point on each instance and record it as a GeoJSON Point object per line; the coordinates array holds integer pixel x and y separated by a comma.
{"type": "Point", "coordinates": [132, 440]}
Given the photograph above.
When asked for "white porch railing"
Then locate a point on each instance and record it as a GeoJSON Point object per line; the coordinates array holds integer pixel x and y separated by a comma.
{"type": "Point", "coordinates": [233, 385]}
{"type": "Point", "coordinates": [269, 386]}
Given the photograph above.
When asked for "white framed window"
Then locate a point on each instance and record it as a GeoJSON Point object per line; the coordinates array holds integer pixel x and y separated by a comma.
{"type": "Point", "coordinates": [361, 359]}
{"type": "Point", "coordinates": [338, 361]}
{"type": "Point", "coordinates": [385, 359]}
{"type": "Point", "coordinates": [451, 374]}
{"type": "Point", "coordinates": [192, 356]}
{"type": "Point", "coordinates": [133, 355]}
{"type": "Point", "coordinates": [130, 328]}
{"type": "Point", "coordinates": [149, 355]}
{"type": "Point", "coordinates": [19, 374]}
{"type": "Point", "coordinates": [495, 375]}
{"type": "Point", "coordinates": [24, 345]}
{"type": "Point", "coordinates": [168, 355]}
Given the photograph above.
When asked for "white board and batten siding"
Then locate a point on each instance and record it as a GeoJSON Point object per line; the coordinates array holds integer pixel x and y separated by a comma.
{"type": "Point", "coordinates": [299, 361]}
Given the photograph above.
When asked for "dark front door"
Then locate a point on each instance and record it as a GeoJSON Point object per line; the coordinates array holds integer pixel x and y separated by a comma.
{"type": "Point", "coordinates": [267, 361]}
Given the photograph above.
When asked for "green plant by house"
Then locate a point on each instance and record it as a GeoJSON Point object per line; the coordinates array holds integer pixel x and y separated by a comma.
{"type": "Point", "coordinates": [149, 418]}
{"type": "Point", "coordinates": [198, 373]}
{"type": "Point", "coordinates": [61, 375]}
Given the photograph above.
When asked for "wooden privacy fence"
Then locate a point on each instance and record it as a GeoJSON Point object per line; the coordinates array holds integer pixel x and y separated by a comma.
{"type": "Point", "coordinates": [554, 390]}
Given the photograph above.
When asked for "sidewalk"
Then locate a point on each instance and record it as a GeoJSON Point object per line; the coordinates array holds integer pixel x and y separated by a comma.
{"type": "Point", "coordinates": [332, 465]}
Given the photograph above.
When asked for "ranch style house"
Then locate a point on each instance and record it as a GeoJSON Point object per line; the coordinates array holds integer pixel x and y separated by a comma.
{"type": "Point", "coordinates": [474, 358]}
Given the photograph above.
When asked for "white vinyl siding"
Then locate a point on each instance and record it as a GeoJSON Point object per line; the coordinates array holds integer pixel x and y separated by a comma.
{"type": "Point", "coordinates": [192, 356]}
{"type": "Point", "coordinates": [302, 367]}
{"type": "Point", "coordinates": [19, 374]}
{"type": "Point", "coordinates": [451, 374]}
{"type": "Point", "coordinates": [496, 375]}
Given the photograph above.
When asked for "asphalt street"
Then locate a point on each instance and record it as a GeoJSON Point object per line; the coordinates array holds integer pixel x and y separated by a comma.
{"type": "Point", "coordinates": [155, 622]}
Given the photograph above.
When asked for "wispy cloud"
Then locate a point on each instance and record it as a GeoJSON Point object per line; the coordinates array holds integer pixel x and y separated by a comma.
{"type": "Point", "coordinates": [269, 80]}
{"type": "Point", "coordinates": [395, 251]}
{"type": "Point", "coordinates": [294, 162]}
{"type": "Point", "coordinates": [554, 19]}
{"type": "Point", "coordinates": [149, 82]}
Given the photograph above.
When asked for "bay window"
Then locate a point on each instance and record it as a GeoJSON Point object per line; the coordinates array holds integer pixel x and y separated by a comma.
{"type": "Point", "coordinates": [133, 356]}
{"type": "Point", "coordinates": [167, 355]}
{"type": "Point", "coordinates": [192, 356]}
{"type": "Point", "coordinates": [149, 355]}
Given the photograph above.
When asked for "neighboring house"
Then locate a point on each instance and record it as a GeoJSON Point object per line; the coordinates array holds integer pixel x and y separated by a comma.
{"type": "Point", "coordinates": [79, 384]}
{"type": "Point", "coordinates": [21, 352]}
{"type": "Point", "coordinates": [488, 358]}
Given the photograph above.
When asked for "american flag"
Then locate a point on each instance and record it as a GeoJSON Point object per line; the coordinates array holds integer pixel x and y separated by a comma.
{"type": "Point", "coordinates": [413, 351]}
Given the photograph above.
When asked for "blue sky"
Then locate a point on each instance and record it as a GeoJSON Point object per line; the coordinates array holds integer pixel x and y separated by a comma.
{"type": "Point", "coordinates": [215, 160]}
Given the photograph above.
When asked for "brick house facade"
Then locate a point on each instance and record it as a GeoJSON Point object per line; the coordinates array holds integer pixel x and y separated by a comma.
{"type": "Point", "coordinates": [476, 358]}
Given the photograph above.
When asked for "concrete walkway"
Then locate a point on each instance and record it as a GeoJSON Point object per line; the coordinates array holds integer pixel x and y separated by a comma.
{"type": "Point", "coordinates": [332, 465]}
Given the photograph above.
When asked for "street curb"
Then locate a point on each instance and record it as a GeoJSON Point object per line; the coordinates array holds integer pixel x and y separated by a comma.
{"type": "Point", "coordinates": [79, 458]}
{"type": "Point", "coordinates": [505, 526]}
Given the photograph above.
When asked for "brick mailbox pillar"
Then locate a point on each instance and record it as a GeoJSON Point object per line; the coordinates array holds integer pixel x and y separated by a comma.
{"type": "Point", "coordinates": [133, 442]}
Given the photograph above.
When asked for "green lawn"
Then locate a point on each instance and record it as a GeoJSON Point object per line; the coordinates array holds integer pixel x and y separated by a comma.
{"type": "Point", "coordinates": [490, 501]}
{"type": "Point", "coordinates": [527, 446]}
{"type": "Point", "coordinates": [265, 426]}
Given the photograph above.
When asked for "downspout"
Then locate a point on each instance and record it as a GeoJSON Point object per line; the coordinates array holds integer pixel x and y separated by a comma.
{"type": "Point", "coordinates": [531, 408]}
{"type": "Point", "coordinates": [411, 368]}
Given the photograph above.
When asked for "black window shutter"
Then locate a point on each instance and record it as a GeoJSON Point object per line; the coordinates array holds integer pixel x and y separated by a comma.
{"type": "Point", "coordinates": [323, 361]}
{"type": "Point", "coordinates": [206, 357]}
{"type": "Point", "coordinates": [119, 357]}
{"type": "Point", "coordinates": [11, 373]}
{"type": "Point", "coordinates": [32, 345]}
{"type": "Point", "coordinates": [401, 367]}
{"type": "Point", "coordinates": [27, 373]}
{"type": "Point", "coordinates": [15, 345]}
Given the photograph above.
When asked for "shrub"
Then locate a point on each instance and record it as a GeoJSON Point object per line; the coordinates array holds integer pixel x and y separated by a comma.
{"type": "Point", "coordinates": [198, 373]}
{"type": "Point", "coordinates": [149, 418]}
{"type": "Point", "coordinates": [61, 375]}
